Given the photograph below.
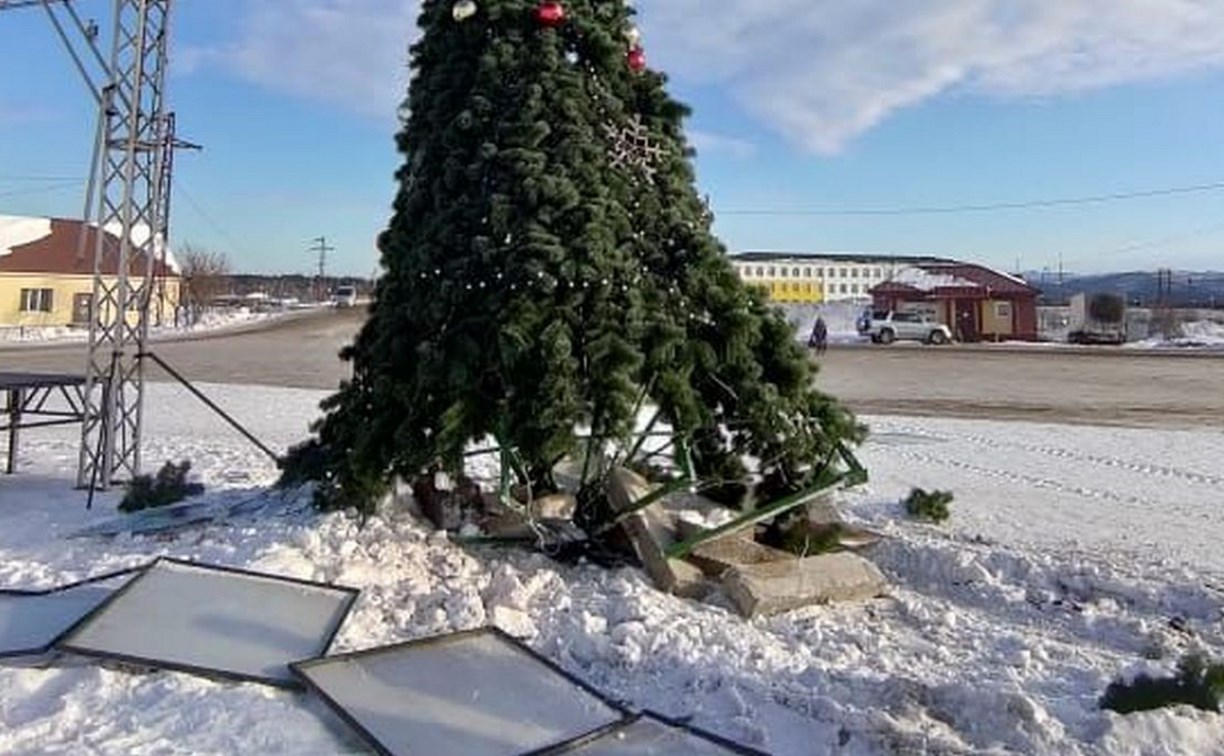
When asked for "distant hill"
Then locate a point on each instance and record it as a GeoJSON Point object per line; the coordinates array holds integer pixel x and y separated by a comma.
{"type": "Point", "coordinates": [1141, 288]}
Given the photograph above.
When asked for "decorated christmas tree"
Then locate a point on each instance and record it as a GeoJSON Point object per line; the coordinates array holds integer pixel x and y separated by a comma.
{"type": "Point", "coordinates": [551, 278]}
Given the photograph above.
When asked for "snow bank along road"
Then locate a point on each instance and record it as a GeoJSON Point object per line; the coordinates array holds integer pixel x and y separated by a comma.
{"type": "Point", "coordinates": [1095, 386]}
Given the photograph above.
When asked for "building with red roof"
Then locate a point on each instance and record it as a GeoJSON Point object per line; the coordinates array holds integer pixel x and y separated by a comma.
{"type": "Point", "coordinates": [976, 302]}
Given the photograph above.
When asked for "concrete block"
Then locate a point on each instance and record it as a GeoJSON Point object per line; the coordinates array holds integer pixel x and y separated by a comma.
{"type": "Point", "coordinates": [625, 487]}
{"type": "Point", "coordinates": [686, 528]}
{"type": "Point", "coordinates": [508, 524]}
{"type": "Point", "coordinates": [649, 543]}
{"type": "Point", "coordinates": [823, 512]}
{"type": "Point", "coordinates": [559, 506]}
{"type": "Point", "coordinates": [716, 557]}
{"type": "Point", "coordinates": [854, 538]}
{"type": "Point", "coordinates": [774, 587]}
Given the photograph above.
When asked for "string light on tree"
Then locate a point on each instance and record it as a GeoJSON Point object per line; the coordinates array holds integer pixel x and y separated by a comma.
{"type": "Point", "coordinates": [463, 10]}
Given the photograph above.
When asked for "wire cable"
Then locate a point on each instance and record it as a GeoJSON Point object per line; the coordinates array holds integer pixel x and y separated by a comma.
{"type": "Point", "coordinates": [55, 187]}
{"type": "Point", "coordinates": [5, 178]}
{"type": "Point", "coordinates": [207, 217]}
{"type": "Point", "coordinates": [992, 207]}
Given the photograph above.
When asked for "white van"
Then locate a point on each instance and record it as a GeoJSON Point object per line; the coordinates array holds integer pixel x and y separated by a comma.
{"type": "Point", "coordinates": [344, 296]}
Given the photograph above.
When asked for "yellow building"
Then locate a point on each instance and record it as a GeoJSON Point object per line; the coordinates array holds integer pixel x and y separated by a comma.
{"type": "Point", "coordinates": [813, 279]}
{"type": "Point", "coordinates": [46, 281]}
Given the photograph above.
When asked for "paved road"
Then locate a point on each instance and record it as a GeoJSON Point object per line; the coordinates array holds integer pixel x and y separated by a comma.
{"type": "Point", "coordinates": [1102, 386]}
{"type": "Point", "coordinates": [299, 352]}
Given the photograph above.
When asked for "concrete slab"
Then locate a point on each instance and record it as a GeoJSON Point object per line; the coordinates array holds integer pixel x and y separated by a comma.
{"type": "Point", "coordinates": [774, 587]}
{"type": "Point", "coordinates": [560, 506]}
{"type": "Point", "coordinates": [650, 540]}
{"type": "Point", "coordinates": [625, 487]}
{"type": "Point", "coordinates": [716, 557]}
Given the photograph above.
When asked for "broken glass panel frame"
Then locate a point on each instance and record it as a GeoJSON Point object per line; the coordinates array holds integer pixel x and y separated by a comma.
{"type": "Point", "coordinates": [32, 622]}
{"type": "Point", "coordinates": [214, 621]}
{"type": "Point", "coordinates": [477, 693]}
{"type": "Point", "coordinates": [653, 735]}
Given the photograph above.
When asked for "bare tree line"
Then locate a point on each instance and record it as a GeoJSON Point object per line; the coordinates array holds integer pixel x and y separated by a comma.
{"type": "Point", "coordinates": [204, 276]}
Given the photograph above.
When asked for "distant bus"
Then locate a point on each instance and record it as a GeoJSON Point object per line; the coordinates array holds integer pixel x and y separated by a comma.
{"type": "Point", "coordinates": [344, 296]}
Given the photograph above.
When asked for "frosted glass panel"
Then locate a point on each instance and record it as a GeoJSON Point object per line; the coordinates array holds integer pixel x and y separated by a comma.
{"type": "Point", "coordinates": [473, 694]}
{"type": "Point", "coordinates": [31, 621]}
{"type": "Point", "coordinates": [650, 737]}
{"type": "Point", "coordinates": [204, 619]}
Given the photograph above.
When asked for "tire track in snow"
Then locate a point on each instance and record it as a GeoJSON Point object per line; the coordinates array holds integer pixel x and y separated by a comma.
{"type": "Point", "coordinates": [1048, 484]}
{"type": "Point", "coordinates": [1143, 468]}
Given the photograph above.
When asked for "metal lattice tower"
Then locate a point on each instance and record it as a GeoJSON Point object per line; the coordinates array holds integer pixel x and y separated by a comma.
{"type": "Point", "coordinates": [130, 182]}
{"type": "Point", "coordinates": [128, 201]}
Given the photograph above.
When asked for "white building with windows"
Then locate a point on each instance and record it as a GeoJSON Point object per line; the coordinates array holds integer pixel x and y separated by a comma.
{"type": "Point", "coordinates": [789, 277]}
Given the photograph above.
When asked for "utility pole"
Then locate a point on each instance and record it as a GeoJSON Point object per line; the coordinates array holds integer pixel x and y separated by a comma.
{"type": "Point", "coordinates": [321, 248]}
{"type": "Point", "coordinates": [1164, 287]}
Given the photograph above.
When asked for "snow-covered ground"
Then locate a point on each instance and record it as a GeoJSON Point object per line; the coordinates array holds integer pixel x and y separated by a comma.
{"type": "Point", "coordinates": [1199, 334]}
{"type": "Point", "coordinates": [1073, 554]}
{"type": "Point", "coordinates": [841, 320]}
{"type": "Point", "coordinates": [211, 321]}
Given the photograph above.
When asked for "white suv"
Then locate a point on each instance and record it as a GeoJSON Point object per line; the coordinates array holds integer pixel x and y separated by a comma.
{"type": "Point", "coordinates": [887, 327]}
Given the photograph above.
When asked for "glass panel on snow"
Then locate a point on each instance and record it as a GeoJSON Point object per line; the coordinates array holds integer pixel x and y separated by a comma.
{"type": "Point", "coordinates": [651, 737]}
{"type": "Point", "coordinates": [214, 621]}
{"type": "Point", "coordinates": [157, 520]}
{"type": "Point", "coordinates": [31, 622]}
{"type": "Point", "coordinates": [471, 694]}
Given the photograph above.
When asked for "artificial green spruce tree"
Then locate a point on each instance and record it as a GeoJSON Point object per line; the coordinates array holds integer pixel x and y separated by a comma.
{"type": "Point", "coordinates": [550, 270]}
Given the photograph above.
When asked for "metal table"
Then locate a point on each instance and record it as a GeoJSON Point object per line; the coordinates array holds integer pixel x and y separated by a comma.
{"type": "Point", "coordinates": [28, 404]}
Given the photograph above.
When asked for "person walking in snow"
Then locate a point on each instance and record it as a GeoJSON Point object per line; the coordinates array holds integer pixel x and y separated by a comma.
{"type": "Point", "coordinates": [819, 340]}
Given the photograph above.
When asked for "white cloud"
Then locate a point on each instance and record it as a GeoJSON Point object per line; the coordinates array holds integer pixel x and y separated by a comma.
{"type": "Point", "coordinates": [351, 53]}
{"type": "Point", "coordinates": [817, 73]}
{"type": "Point", "coordinates": [822, 73]}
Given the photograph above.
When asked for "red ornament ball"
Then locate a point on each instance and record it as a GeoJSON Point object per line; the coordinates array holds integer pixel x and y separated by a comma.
{"type": "Point", "coordinates": [550, 13]}
{"type": "Point", "coordinates": [637, 59]}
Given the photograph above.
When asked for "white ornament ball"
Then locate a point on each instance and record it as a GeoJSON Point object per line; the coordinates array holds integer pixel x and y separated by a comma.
{"type": "Point", "coordinates": [634, 36]}
{"type": "Point", "coordinates": [463, 10]}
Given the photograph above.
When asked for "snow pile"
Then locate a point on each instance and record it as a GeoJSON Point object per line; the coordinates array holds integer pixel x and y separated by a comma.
{"type": "Point", "coordinates": [17, 231]}
{"type": "Point", "coordinates": [40, 334]}
{"type": "Point", "coordinates": [840, 318]}
{"type": "Point", "coordinates": [216, 320]}
{"type": "Point", "coordinates": [926, 280]}
{"type": "Point", "coordinates": [1073, 554]}
{"type": "Point", "coordinates": [1198, 334]}
{"type": "Point", "coordinates": [221, 319]}
{"type": "Point", "coordinates": [140, 236]}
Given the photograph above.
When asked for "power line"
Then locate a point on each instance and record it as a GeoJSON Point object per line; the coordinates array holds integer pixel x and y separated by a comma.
{"type": "Point", "coordinates": [1202, 231]}
{"type": "Point", "coordinates": [972, 208]}
{"type": "Point", "coordinates": [55, 187]}
{"type": "Point", "coordinates": [1182, 236]}
{"type": "Point", "coordinates": [39, 179]}
{"type": "Point", "coordinates": [208, 218]}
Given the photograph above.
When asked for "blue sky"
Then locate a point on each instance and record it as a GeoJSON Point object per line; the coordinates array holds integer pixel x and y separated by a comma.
{"type": "Point", "coordinates": [834, 107]}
